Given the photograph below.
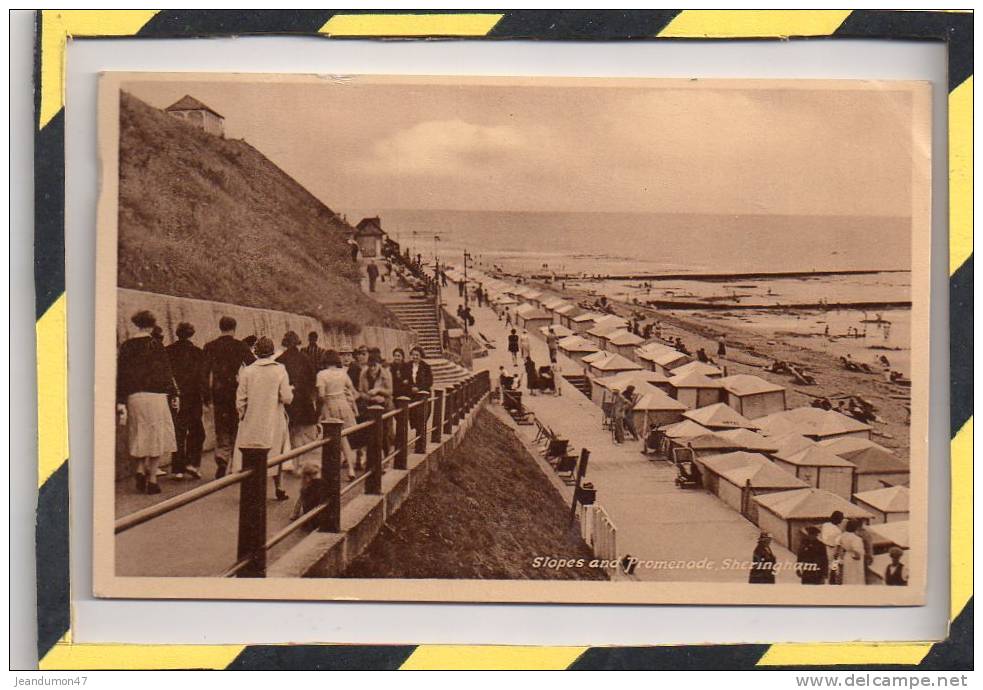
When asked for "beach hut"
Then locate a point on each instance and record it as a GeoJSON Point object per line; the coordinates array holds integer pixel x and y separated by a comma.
{"type": "Point", "coordinates": [600, 329]}
{"type": "Point", "coordinates": [664, 362]}
{"type": "Point", "coordinates": [621, 341]}
{"type": "Point", "coordinates": [502, 303]}
{"type": "Point", "coordinates": [785, 514]}
{"type": "Point", "coordinates": [884, 535]}
{"type": "Point", "coordinates": [706, 444]}
{"type": "Point", "coordinates": [602, 386]}
{"type": "Point", "coordinates": [812, 422]}
{"type": "Point", "coordinates": [576, 347]}
{"type": "Point", "coordinates": [751, 441]}
{"type": "Point", "coordinates": [877, 466]}
{"type": "Point", "coordinates": [529, 317]}
{"type": "Point", "coordinates": [753, 396]}
{"type": "Point", "coordinates": [788, 444]}
{"type": "Point", "coordinates": [584, 321]}
{"type": "Point", "coordinates": [560, 331]}
{"type": "Point", "coordinates": [695, 389]}
{"type": "Point", "coordinates": [697, 367]}
{"type": "Point", "coordinates": [685, 428]}
{"type": "Point", "coordinates": [718, 417]}
{"type": "Point", "coordinates": [819, 468]}
{"type": "Point", "coordinates": [563, 315]}
{"type": "Point", "coordinates": [552, 304]}
{"type": "Point", "coordinates": [889, 504]}
{"type": "Point", "coordinates": [611, 363]}
{"type": "Point", "coordinates": [737, 477]}
{"type": "Point", "coordinates": [656, 408]}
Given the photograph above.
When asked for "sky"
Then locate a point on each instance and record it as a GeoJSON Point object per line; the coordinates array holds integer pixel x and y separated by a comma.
{"type": "Point", "coordinates": [661, 147]}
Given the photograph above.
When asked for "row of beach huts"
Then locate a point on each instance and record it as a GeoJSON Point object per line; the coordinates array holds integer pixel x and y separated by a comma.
{"type": "Point", "coordinates": [783, 469]}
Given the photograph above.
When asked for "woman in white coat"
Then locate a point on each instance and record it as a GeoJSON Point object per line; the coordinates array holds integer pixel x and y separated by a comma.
{"type": "Point", "coordinates": [264, 391]}
{"type": "Point", "coordinates": [854, 554]}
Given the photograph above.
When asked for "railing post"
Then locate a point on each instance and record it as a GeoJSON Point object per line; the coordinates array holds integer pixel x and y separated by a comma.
{"type": "Point", "coordinates": [438, 415]}
{"type": "Point", "coordinates": [402, 432]}
{"type": "Point", "coordinates": [373, 451]}
{"type": "Point", "coordinates": [252, 513]}
{"type": "Point", "coordinates": [331, 475]}
{"type": "Point", "coordinates": [449, 409]}
{"type": "Point", "coordinates": [421, 422]}
{"type": "Point", "coordinates": [455, 397]}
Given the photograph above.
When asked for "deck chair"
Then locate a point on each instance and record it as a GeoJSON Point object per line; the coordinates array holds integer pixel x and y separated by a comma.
{"type": "Point", "coordinates": [556, 449]}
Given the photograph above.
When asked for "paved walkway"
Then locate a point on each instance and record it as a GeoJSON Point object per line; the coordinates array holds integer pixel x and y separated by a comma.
{"type": "Point", "coordinates": [655, 520]}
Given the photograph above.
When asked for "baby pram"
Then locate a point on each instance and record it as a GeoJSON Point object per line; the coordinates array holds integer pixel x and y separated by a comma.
{"type": "Point", "coordinates": [546, 382]}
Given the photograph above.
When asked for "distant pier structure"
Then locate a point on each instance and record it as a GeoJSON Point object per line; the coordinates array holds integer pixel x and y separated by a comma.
{"type": "Point", "coordinates": [195, 112]}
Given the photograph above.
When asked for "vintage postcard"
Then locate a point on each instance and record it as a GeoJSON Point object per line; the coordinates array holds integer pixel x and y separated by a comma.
{"type": "Point", "coordinates": [512, 339]}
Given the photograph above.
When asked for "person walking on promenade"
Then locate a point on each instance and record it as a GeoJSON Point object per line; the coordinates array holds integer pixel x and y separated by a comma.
{"type": "Point", "coordinates": [376, 385]}
{"type": "Point", "coordinates": [552, 344]}
{"type": "Point", "coordinates": [224, 357]}
{"type": "Point", "coordinates": [854, 555]}
{"type": "Point", "coordinates": [524, 344]}
{"type": "Point", "coordinates": [353, 248]}
{"type": "Point", "coordinates": [532, 379]}
{"type": "Point", "coordinates": [261, 399]}
{"type": "Point", "coordinates": [460, 288]}
{"type": "Point", "coordinates": [337, 397]}
{"type": "Point", "coordinates": [628, 418]}
{"type": "Point", "coordinates": [372, 271]}
{"type": "Point", "coordinates": [829, 535]}
{"type": "Point", "coordinates": [514, 347]}
{"type": "Point", "coordinates": [313, 351]}
{"type": "Point", "coordinates": [762, 562]}
{"type": "Point", "coordinates": [508, 318]}
{"type": "Point", "coordinates": [190, 374]}
{"type": "Point", "coordinates": [812, 565]}
{"type": "Point", "coordinates": [301, 412]}
{"type": "Point", "coordinates": [356, 367]}
{"type": "Point", "coordinates": [618, 417]}
{"type": "Point", "coordinates": [143, 383]}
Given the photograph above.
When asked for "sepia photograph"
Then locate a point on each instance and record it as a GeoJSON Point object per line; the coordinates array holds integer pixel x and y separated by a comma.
{"type": "Point", "coordinates": [502, 339]}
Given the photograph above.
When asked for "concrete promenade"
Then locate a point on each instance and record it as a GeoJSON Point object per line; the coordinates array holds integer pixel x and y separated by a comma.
{"type": "Point", "coordinates": [655, 520]}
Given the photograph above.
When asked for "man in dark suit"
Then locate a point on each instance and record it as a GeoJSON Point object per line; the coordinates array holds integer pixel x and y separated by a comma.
{"type": "Point", "coordinates": [301, 412]}
{"type": "Point", "coordinates": [224, 357]}
{"type": "Point", "coordinates": [189, 370]}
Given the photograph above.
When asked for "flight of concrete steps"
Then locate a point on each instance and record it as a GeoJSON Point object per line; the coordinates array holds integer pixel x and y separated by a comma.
{"type": "Point", "coordinates": [580, 382]}
{"type": "Point", "coordinates": [420, 315]}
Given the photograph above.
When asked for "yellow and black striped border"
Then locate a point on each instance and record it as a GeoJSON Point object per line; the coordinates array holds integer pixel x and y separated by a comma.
{"type": "Point", "coordinates": [55, 648]}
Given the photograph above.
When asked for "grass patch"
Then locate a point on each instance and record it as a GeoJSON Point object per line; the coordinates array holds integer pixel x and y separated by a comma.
{"type": "Point", "coordinates": [485, 514]}
{"type": "Point", "coordinates": [211, 218]}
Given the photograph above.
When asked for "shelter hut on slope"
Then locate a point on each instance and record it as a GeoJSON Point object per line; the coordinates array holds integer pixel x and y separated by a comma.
{"type": "Point", "coordinates": [370, 236]}
{"type": "Point", "coordinates": [196, 113]}
{"type": "Point", "coordinates": [812, 422]}
{"type": "Point", "coordinates": [753, 396]}
{"type": "Point", "coordinates": [890, 504]}
{"type": "Point", "coordinates": [739, 476]}
{"type": "Point", "coordinates": [819, 468]}
{"type": "Point", "coordinates": [531, 318]}
{"type": "Point", "coordinates": [698, 367]}
{"type": "Point", "coordinates": [576, 348]}
{"type": "Point", "coordinates": [877, 467]}
{"type": "Point", "coordinates": [718, 417]}
{"type": "Point", "coordinates": [785, 514]}
{"type": "Point", "coordinates": [694, 389]}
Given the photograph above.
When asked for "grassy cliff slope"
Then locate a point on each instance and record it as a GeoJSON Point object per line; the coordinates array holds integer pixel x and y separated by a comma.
{"type": "Point", "coordinates": [212, 218]}
{"type": "Point", "coordinates": [487, 513]}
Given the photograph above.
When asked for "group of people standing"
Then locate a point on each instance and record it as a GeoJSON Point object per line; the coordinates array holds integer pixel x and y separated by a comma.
{"type": "Point", "coordinates": [259, 402]}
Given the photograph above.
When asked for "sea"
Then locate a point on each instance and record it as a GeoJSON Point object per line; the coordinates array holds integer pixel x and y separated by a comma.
{"type": "Point", "coordinates": [586, 247]}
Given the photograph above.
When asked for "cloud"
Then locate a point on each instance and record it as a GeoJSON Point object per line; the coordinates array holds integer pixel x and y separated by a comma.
{"type": "Point", "coordinates": [449, 147]}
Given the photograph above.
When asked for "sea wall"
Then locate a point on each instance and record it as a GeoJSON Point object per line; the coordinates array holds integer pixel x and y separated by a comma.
{"type": "Point", "coordinates": [204, 315]}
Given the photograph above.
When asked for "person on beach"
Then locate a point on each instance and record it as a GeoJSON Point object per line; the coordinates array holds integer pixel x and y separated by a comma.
{"type": "Point", "coordinates": [261, 398]}
{"type": "Point", "coordinates": [829, 535]}
{"type": "Point", "coordinates": [188, 366]}
{"type": "Point", "coordinates": [514, 347]}
{"type": "Point", "coordinates": [337, 399]}
{"type": "Point", "coordinates": [225, 356]}
{"type": "Point", "coordinates": [524, 344]}
{"type": "Point", "coordinates": [552, 344]}
{"type": "Point", "coordinates": [721, 347]}
{"type": "Point", "coordinates": [302, 410]}
{"type": "Point", "coordinates": [762, 562]}
{"type": "Point", "coordinates": [896, 574]}
{"type": "Point", "coordinates": [812, 564]}
{"type": "Point", "coordinates": [143, 383]}
{"type": "Point", "coordinates": [854, 555]}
